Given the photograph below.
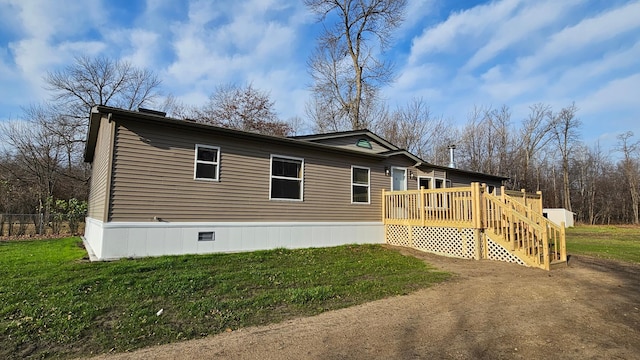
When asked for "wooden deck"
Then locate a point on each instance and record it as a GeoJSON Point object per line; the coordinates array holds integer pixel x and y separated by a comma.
{"type": "Point", "coordinates": [471, 222]}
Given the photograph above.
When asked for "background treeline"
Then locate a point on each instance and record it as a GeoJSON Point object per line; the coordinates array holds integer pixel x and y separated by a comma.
{"type": "Point", "coordinates": [41, 160]}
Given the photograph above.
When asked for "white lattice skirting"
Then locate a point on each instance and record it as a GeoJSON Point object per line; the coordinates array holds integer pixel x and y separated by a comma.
{"type": "Point", "coordinates": [445, 241]}
{"type": "Point", "coordinates": [499, 253]}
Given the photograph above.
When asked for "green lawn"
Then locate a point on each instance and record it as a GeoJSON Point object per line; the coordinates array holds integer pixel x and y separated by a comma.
{"type": "Point", "coordinates": [609, 242]}
{"type": "Point", "coordinates": [54, 303]}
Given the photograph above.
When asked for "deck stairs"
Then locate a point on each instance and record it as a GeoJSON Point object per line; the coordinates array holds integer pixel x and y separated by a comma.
{"type": "Point", "coordinates": [472, 222]}
{"type": "Point", "coordinates": [522, 230]}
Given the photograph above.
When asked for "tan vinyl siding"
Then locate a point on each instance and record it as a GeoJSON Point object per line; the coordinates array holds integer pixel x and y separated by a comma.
{"type": "Point", "coordinates": [433, 173]}
{"type": "Point", "coordinates": [100, 175]}
{"type": "Point", "coordinates": [350, 142]}
{"type": "Point", "coordinates": [153, 177]}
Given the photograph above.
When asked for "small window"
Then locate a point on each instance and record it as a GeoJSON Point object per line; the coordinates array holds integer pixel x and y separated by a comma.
{"type": "Point", "coordinates": [364, 143]}
{"type": "Point", "coordinates": [360, 185]}
{"type": "Point", "coordinates": [207, 163]}
{"type": "Point", "coordinates": [286, 178]}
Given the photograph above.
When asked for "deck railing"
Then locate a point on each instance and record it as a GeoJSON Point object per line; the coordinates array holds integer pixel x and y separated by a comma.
{"type": "Point", "coordinates": [442, 207]}
{"type": "Point", "coordinates": [515, 221]}
{"type": "Point", "coordinates": [527, 200]}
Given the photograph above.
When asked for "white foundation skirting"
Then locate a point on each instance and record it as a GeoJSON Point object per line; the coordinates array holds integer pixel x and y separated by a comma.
{"type": "Point", "coordinates": [114, 240]}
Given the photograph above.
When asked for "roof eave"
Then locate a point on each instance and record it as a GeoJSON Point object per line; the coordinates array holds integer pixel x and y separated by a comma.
{"type": "Point", "coordinates": [92, 134]}
{"type": "Point", "coordinates": [98, 111]}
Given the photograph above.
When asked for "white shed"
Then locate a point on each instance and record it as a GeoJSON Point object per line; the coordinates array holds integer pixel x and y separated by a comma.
{"type": "Point", "coordinates": [559, 215]}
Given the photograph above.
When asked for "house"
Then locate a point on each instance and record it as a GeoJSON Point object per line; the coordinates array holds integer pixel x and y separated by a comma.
{"type": "Point", "coordinates": [163, 186]}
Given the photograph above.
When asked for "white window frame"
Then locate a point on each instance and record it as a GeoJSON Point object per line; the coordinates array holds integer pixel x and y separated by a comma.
{"type": "Point", "coordinates": [271, 176]}
{"type": "Point", "coordinates": [445, 182]}
{"type": "Point", "coordinates": [216, 162]}
{"type": "Point", "coordinates": [425, 177]}
{"type": "Point", "coordinates": [368, 185]}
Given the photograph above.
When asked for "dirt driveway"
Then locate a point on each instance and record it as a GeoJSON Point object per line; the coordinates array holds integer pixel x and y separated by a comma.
{"type": "Point", "coordinates": [491, 310]}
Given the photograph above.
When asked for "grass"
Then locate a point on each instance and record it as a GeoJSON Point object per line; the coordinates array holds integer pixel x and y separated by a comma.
{"type": "Point", "coordinates": [54, 303]}
{"type": "Point", "coordinates": [609, 242]}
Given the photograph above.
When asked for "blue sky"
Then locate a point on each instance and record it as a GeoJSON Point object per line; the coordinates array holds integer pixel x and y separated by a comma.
{"type": "Point", "coordinates": [453, 54]}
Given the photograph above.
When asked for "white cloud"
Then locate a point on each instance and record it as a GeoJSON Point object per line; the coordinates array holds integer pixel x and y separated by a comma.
{"type": "Point", "coordinates": [505, 91]}
{"type": "Point", "coordinates": [251, 42]}
{"type": "Point", "coordinates": [415, 14]}
{"type": "Point", "coordinates": [579, 76]}
{"type": "Point", "coordinates": [584, 35]}
{"type": "Point", "coordinates": [51, 35]}
{"type": "Point", "coordinates": [519, 28]}
{"type": "Point", "coordinates": [417, 76]}
{"type": "Point", "coordinates": [617, 94]}
{"type": "Point", "coordinates": [143, 47]}
{"type": "Point", "coordinates": [471, 23]}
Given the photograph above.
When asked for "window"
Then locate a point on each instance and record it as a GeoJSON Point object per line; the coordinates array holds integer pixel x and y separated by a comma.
{"type": "Point", "coordinates": [359, 185]}
{"type": "Point", "coordinates": [286, 178]}
{"type": "Point", "coordinates": [424, 182]}
{"type": "Point", "coordinates": [364, 143]}
{"type": "Point", "coordinates": [207, 163]}
{"type": "Point", "coordinates": [433, 183]}
{"type": "Point", "coordinates": [435, 199]}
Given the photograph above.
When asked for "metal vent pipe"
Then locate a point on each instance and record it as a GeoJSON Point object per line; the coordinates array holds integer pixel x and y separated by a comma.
{"type": "Point", "coordinates": [452, 159]}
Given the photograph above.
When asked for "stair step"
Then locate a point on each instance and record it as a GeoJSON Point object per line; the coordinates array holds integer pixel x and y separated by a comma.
{"type": "Point", "coordinates": [557, 264]}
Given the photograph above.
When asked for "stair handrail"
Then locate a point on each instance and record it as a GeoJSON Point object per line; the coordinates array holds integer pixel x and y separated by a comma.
{"type": "Point", "coordinates": [555, 233]}
{"type": "Point", "coordinates": [516, 229]}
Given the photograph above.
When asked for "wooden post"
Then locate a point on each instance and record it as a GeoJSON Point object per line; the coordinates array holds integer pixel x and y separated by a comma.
{"type": "Point", "coordinates": [512, 230]}
{"type": "Point", "coordinates": [545, 248]}
{"type": "Point", "coordinates": [476, 214]}
{"type": "Point", "coordinates": [478, 237]}
{"type": "Point", "coordinates": [563, 242]}
{"type": "Point", "coordinates": [384, 207]}
{"type": "Point", "coordinates": [423, 206]}
{"type": "Point", "coordinates": [485, 243]}
{"type": "Point", "coordinates": [476, 197]}
{"type": "Point", "coordinates": [540, 201]}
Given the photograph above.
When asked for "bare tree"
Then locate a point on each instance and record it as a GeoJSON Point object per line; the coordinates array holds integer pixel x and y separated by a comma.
{"type": "Point", "coordinates": [176, 108]}
{"type": "Point", "coordinates": [36, 157]}
{"type": "Point", "coordinates": [412, 127]}
{"type": "Point", "coordinates": [93, 81]}
{"type": "Point", "coordinates": [534, 135]}
{"type": "Point", "coordinates": [485, 142]}
{"type": "Point", "coordinates": [472, 142]}
{"type": "Point", "coordinates": [101, 81]}
{"type": "Point", "coordinates": [243, 108]}
{"type": "Point", "coordinates": [565, 133]}
{"type": "Point", "coordinates": [587, 170]}
{"type": "Point", "coordinates": [500, 141]}
{"type": "Point", "coordinates": [630, 165]}
{"type": "Point", "coordinates": [344, 67]}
